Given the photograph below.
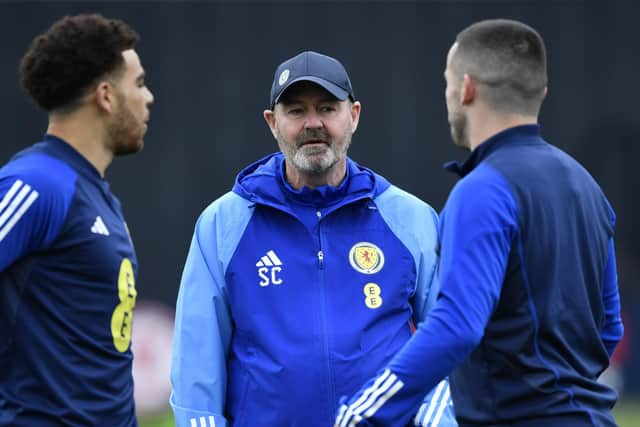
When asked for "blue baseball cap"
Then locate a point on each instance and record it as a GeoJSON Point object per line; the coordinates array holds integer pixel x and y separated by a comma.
{"type": "Point", "coordinates": [312, 67]}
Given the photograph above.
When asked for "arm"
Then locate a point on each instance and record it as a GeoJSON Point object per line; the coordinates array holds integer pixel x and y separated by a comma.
{"type": "Point", "coordinates": [477, 228]}
{"type": "Point", "coordinates": [437, 407]}
{"type": "Point", "coordinates": [416, 225]}
{"type": "Point", "coordinates": [427, 286]}
{"type": "Point", "coordinates": [202, 334]}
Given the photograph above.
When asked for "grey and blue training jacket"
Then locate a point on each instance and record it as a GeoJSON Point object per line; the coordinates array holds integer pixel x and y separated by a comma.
{"type": "Point", "coordinates": [290, 299]}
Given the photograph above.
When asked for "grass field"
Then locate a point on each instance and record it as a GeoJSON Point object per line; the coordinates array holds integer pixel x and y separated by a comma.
{"type": "Point", "coordinates": [627, 413]}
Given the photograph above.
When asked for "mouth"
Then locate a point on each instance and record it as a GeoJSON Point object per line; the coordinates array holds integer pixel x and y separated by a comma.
{"type": "Point", "coordinates": [313, 142]}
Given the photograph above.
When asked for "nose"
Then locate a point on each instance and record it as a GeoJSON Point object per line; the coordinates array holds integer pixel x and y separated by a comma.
{"type": "Point", "coordinates": [150, 97]}
{"type": "Point", "coordinates": [312, 120]}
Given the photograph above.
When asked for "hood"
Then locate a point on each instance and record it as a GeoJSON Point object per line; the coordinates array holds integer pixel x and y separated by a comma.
{"type": "Point", "coordinates": [263, 182]}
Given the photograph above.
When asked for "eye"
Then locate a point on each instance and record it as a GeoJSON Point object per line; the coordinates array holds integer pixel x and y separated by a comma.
{"type": "Point", "coordinates": [327, 108]}
{"type": "Point", "coordinates": [295, 111]}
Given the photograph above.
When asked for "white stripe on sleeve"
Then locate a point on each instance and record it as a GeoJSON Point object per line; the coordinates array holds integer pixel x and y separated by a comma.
{"type": "Point", "coordinates": [377, 398]}
{"type": "Point", "coordinates": [5, 200]}
{"type": "Point", "coordinates": [416, 420]}
{"type": "Point", "coordinates": [433, 403]}
{"type": "Point", "coordinates": [443, 404]}
{"type": "Point", "coordinates": [364, 396]}
{"type": "Point", "coordinates": [14, 217]}
{"type": "Point", "coordinates": [14, 204]}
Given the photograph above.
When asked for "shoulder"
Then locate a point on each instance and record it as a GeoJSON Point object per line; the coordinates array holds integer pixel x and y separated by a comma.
{"type": "Point", "coordinates": [484, 195]}
{"type": "Point", "coordinates": [224, 213]}
{"type": "Point", "coordinates": [45, 174]}
{"type": "Point", "coordinates": [400, 203]}
{"type": "Point", "coordinates": [412, 220]}
{"type": "Point", "coordinates": [226, 206]}
{"type": "Point", "coordinates": [35, 194]}
{"type": "Point", "coordinates": [221, 225]}
{"type": "Point", "coordinates": [484, 180]}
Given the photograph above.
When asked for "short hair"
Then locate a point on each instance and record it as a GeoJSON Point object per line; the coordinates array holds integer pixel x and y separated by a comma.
{"type": "Point", "coordinates": [63, 63]}
{"type": "Point", "coordinates": [509, 58]}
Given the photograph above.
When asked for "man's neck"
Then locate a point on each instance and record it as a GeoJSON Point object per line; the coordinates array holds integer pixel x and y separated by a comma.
{"type": "Point", "coordinates": [85, 135]}
{"type": "Point", "coordinates": [492, 124]}
{"type": "Point", "coordinates": [332, 177]}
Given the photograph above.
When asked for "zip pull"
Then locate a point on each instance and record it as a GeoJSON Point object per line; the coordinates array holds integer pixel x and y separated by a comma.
{"type": "Point", "coordinates": [320, 259]}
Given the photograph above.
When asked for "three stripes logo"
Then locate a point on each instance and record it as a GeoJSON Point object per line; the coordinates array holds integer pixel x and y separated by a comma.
{"type": "Point", "coordinates": [371, 399]}
{"type": "Point", "coordinates": [269, 268]}
{"type": "Point", "coordinates": [431, 411]}
{"type": "Point", "coordinates": [99, 227]}
{"type": "Point", "coordinates": [203, 422]}
{"type": "Point", "coordinates": [14, 204]}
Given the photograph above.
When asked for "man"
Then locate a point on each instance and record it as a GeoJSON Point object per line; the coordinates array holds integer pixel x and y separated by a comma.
{"type": "Point", "coordinates": [67, 264]}
{"type": "Point", "coordinates": [306, 278]}
{"type": "Point", "coordinates": [529, 310]}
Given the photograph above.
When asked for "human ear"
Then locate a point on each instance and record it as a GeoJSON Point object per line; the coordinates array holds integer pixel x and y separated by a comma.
{"type": "Point", "coordinates": [468, 91]}
{"type": "Point", "coordinates": [270, 118]}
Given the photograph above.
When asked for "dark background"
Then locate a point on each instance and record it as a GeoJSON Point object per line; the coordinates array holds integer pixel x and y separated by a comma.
{"type": "Point", "coordinates": [210, 67]}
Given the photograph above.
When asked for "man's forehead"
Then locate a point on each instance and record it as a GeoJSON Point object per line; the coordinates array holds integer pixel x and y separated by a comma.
{"type": "Point", "coordinates": [132, 61]}
{"type": "Point", "coordinates": [304, 90]}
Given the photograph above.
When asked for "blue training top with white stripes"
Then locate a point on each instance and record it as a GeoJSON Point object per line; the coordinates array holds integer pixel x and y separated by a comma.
{"type": "Point", "coordinates": [67, 292]}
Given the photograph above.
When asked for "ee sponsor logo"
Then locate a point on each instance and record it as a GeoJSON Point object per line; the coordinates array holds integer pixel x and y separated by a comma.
{"type": "Point", "coordinates": [372, 298]}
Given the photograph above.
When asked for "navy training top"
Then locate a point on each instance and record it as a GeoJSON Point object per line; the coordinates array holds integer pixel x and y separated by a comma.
{"type": "Point", "coordinates": [529, 311]}
{"type": "Point", "coordinates": [67, 292]}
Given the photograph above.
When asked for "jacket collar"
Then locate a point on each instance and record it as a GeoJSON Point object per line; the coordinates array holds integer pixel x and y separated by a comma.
{"type": "Point", "coordinates": [510, 136]}
{"type": "Point", "coordinates": [264, 182]}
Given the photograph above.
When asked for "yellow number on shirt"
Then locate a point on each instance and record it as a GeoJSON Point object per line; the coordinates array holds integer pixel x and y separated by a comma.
{"type": "Point", "coordinates": [122, 317]}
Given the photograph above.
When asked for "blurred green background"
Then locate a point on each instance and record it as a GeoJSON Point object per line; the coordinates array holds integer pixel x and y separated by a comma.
{"type": "Point", "coordinates": [627, 413]}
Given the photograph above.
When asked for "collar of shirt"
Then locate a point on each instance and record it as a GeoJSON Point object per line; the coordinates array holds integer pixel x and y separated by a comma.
{"type": "Point", "coordinates": [506, 136]}
{"type": "Point", "coordinates": [73, 157]}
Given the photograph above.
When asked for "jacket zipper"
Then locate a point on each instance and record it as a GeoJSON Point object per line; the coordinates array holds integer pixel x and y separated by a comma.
{"type": "Point", "coordinates": [325, 332]}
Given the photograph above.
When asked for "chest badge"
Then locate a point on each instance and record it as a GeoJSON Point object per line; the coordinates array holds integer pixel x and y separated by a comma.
{"type": "Point", "coordinates": [366, 258]}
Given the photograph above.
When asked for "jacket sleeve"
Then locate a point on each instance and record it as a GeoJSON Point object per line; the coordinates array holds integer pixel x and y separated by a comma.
{"type": "Point", "coordinates": [612, 329]}
{"type": "Point", "coordinates": [202, 333]}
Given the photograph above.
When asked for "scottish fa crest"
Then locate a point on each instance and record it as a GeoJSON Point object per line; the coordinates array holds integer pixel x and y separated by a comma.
{"type": "Point", "coordinates": [366, 258]}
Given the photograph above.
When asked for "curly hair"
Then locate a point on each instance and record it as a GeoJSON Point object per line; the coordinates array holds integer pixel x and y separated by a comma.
{"type": "Point", "coordinates": [63, 63]}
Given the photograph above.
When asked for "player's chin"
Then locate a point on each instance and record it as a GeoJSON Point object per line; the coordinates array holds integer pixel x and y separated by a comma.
{"type": "Point", "coordinates": [130, 148]}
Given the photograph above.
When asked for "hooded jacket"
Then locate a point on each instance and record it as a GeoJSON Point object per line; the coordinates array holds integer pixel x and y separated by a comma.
{"type": "Point", "coordinates": [291, 298]}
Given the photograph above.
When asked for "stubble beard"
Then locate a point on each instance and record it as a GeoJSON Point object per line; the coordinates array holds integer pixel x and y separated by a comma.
{"type": "Point", "coordinates": [125, 132]}
{"type": "Point", "coordinates": [315, 159]}
{"type": "Point", "coordinates": [459, 129]}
